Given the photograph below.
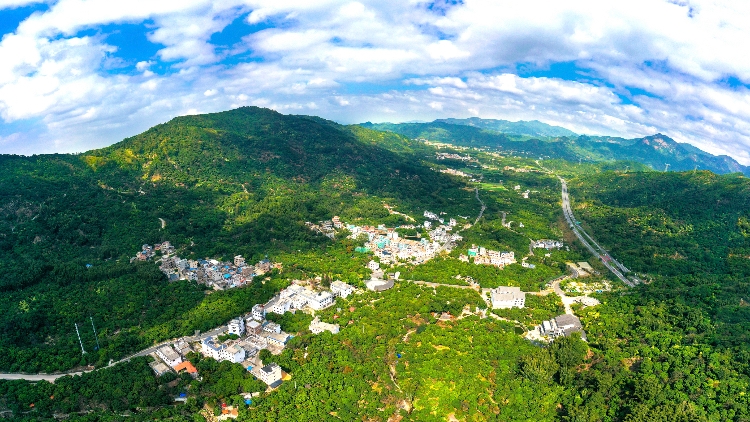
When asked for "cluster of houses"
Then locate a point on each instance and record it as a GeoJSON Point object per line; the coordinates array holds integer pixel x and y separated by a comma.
{"type": "Point", "coordinates": [546, 244]}
{"type": "Point", "coordinates": [451, 156]}
{"type": "Point", "coordinates": [252, 333]}
{"type": "Point", "coordinates": [327, 227]}
{"type": "Point", "coordinates": [389, 247]}
{"type": "Point", "coordinates": [454, 172]}
{"type": "Point", "coordinates": [216, 274]}
{"type": "Point", "coordinates": [484, 256]}
{"type": "Point", "coordinates": [147, 251]}
{"type": "Point", "coordinates": [172, 357]}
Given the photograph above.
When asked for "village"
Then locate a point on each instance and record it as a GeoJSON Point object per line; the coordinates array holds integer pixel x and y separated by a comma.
{"type": "Point", "coordinates": [242, 339]}
{"type": "Point", "coordinates": [211, 272]}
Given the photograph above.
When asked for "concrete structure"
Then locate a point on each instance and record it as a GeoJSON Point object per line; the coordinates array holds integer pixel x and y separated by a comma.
{"type": "Point", "coordinates": [563, 325]}
{"type": "Point", "coordinates": [253, 327]}
{"type": "Point", "coordinates": [379, 285]}
{"type": "Point", "coordinates": [277, 339]}
{"type": "Point", "coordinates": [317, 327]}
{"type": "Point", "coordinates": [159, 368]}
{"type": "Point", "coordinates": [506, 297]}
{"type": "Point", "coordinates": [259, 312]}
{"type": "Point", "coordinates": [236, 327]}
{"type": "Point", "coordinates": [169, 356]}
{"type": "Point", "coordinates": [239, 261]}
{"type": "Point", "coordinates": [341, 289]}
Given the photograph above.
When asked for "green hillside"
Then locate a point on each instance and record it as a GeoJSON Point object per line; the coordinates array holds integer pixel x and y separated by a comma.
{"type": "Point", "coordinates": [246, 181]}
{"type": "Point", "coordinates": [238, 182]}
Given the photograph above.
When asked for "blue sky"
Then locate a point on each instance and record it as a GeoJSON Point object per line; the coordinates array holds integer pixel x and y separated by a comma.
{"type": "Point", "coordinates": [83, 74]}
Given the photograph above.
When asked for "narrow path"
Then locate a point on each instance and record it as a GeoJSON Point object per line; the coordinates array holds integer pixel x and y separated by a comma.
{"type": "Point", "coordinates": [163, 223]}
{"type": "Point", "coordinates": [433, 285]}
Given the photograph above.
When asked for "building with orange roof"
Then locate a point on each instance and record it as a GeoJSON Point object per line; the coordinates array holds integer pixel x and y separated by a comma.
{"type": "Point", "coordinates": [187, 366]}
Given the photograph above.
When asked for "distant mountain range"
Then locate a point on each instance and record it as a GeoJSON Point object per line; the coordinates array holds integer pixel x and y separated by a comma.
{"type": "Point", "coordinates": [540, 139]}
{"type": "Point", "coordinates": [532, 128]}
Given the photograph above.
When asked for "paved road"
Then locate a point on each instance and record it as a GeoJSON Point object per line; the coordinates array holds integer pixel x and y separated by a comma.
{"type": "Point", "coordinates": [144, 352]}
{"type": "Point", "coordinates": [598, 252]}
{"type": "Point", "coordinates": [36, 377]}
{"type": "Point", "coordinates": [484, 207]}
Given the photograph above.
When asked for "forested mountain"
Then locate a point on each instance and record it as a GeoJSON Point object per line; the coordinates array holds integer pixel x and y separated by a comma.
{"type": "Point", "coordinates": [239, 182]}
{"type": "Point", "coordinates": [245, 182]}
{"type": "Point", "coordinates": [531, 128]}
{"type": "Point", "coordinates": [656, 151]}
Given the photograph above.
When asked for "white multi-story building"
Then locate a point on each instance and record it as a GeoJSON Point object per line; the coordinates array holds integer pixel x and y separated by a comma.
{"type": "Point", "coordinates": [233, 353]}
{"type": "Point", "coordinates": [213, 349]}
{"type": "Point", "coordinates": [341, 289]}
{"type": "Point", "coordinates": [320, 300]}
{"type": "Point", "coordinates": [279, 305]}
{"type": "Point", "coordinates": [169, 356]}
{"type": "Point", "coordinates": [270, 374]}
{"type": "Point", "coordinates": [271, 327]}
{"type": "Point", "coordinates": [236, 326]}
{"type": "Point", "coordinates": [372, 265]}
{"type": "Point", "coordinates": [259, 312]}
{"type": "Point", "coordinates": [505, 297]}
{"type": "Point", "coordinates": [210, 347]}
{"type": "Point", "coordinates": [299, 301]}
{"type": "Point", "coordinates": [277, 339]}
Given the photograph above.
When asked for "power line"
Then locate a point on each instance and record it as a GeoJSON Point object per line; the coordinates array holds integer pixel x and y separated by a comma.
{"type": "Point", "coordinates": [95, 335]}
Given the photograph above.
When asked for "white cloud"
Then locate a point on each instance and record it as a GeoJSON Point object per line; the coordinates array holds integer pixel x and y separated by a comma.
{"type": "Point", "coordinates": [456, 63]}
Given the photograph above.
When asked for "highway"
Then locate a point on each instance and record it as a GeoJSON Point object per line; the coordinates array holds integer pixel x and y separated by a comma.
{"type": "Point", "coordinates": [581, 234]}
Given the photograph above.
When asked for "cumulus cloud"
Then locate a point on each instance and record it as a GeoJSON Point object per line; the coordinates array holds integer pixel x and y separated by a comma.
{"type": "Point", "coordinates": [649, 66]}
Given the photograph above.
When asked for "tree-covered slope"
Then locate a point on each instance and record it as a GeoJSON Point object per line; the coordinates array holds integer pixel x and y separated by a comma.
{"type": "Point", "coordinates": [689, 232]}
{"type": "Point", "coordinates": [238, 182]}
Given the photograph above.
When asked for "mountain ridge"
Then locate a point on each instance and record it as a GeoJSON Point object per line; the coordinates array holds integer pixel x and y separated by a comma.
{"type": "Point", "coordinates": [656, 150]}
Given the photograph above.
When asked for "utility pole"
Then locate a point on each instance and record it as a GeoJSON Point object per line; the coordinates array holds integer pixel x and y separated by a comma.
{"type": "Point", "coordinates": [83, 352]}
{"type": "Point", "coordinates": [667, 167]}
{"type": "Point", "coordinates": [95, 335]}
